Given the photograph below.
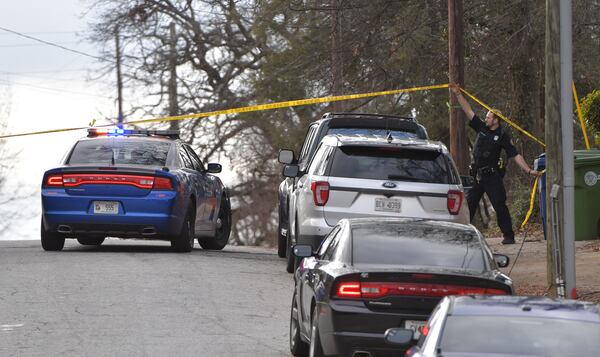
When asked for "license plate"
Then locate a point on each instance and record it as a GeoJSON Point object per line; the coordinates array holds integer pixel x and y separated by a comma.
{"type": "Point", "coordinates": [387, 205]}
{"type": "Point", "coordinates": [106, 207]}
{"type": "Point", "coordinates": [414, 325]}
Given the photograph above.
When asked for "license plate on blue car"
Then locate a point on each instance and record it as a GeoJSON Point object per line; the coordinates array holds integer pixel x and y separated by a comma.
{"type": "Point", "coordinates": [106, 207]}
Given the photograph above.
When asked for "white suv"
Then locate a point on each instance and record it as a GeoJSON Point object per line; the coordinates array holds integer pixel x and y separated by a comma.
{"type": "Point", "coordinates": [373, 176]}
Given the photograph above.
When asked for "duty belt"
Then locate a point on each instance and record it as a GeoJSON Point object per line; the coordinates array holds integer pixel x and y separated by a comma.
{"type": "Point", "coordinates": [483, 171]}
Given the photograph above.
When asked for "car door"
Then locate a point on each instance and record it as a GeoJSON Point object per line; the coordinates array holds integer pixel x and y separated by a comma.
{"type": "Point", "coordinates": [208, 185]}
{"type": "Point", "coordinates": [194, 183]}
{"type": "Point", "coordinates": [310, 274]}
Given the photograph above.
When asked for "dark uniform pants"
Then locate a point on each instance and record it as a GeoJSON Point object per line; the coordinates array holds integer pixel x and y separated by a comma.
{"type": "Point", "coordinates": [494, 187]}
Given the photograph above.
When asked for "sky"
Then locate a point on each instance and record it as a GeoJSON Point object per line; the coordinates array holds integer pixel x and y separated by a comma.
{"type": "Point", "coordinates": [48, 88]}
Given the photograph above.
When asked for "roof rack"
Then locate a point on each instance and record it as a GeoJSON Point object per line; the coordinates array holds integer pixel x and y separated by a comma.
{"type": "Point", "coordinates": [95, 132]}
{"type": "Point", "coordinates": [369, 115]}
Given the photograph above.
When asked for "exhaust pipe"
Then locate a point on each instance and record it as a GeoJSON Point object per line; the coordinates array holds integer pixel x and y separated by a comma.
{"type": "Point", "coordinates": [148, 231]}
{"type": "Point", "coordinates": [64, 229]}
{"type": "Point", "coordinates": [362, 354]}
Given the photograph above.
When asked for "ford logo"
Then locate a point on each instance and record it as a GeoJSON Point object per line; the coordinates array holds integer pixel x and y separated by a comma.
{"type": "Point", "coordinates": [389, 184]}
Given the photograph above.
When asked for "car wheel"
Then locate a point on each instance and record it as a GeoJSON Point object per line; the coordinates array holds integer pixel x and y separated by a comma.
{"type": "Point", "coordinates": [297, 346]}
{"type": "Point", "coordinates": [222, 232]}
{"type": "Point", "coordinates": [91, 241]}
{"type": "Point", "coordinates": [281, 239]}
{"type": "Point", "coordinates": [316, 350]}
{"type": "Point", "coordinates": [51, 241]}
{"type": "Point", "coordinates": [184, 242]}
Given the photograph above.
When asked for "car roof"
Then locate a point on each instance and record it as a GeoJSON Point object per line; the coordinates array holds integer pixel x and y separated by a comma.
{"type": "Point", "coordinates": [416, 222]}
{"type": "Point", "coordinates": [524, 306]}
{"type": "Point", "coordinates": [380, 140]}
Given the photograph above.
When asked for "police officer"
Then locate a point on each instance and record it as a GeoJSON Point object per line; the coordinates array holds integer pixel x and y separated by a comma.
{"type": "Point", "coordinates": [491, 139]}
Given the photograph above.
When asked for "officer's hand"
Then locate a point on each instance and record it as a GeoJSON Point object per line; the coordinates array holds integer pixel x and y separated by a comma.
{"type": "Point", "coordinates": [454, 88]}
{"type": "Point", "coordinates": [535, 173]}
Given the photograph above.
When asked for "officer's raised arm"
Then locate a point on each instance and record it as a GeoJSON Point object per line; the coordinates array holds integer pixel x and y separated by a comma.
{"type": "Point", "coordinates": [462, 101]}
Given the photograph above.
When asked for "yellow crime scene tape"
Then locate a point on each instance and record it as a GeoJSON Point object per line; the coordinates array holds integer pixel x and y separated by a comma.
{"type": "Point", "coordinates": [247, 109]}
{"type": "Point", "coordinates": [532, 200]}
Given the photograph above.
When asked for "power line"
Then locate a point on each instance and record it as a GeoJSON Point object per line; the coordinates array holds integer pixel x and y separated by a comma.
{"type": "Point", "coordinates": [33, 44]}
{"type": "Point", "coordinates": [55, 45]}
{"type": "Point", "coordinates": [52, 89]}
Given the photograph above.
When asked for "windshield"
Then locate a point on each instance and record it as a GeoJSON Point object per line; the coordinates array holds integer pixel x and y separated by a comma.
{"type": "Point", "coordinates": [520, 336]}
{"type": "Point", "coordinates": [120, 151]}
{"type": "Point", "coordinates": [417, 245]}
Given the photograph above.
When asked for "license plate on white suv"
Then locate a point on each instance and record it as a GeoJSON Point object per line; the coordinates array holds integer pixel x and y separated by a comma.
{"type": "Point", "coordinates": [388, 205]}
{"type": "Point", "coordinates": [106, 207]}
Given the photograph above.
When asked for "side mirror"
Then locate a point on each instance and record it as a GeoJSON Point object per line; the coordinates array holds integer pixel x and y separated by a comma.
{"type": "Point", "coordinates": [467, 181]}
{"type": "Point", "coordinates": [290, 170]}
{"type": "Point", "coordinates": [501, 260]}
{"type": "Point", "coordinates": [399, 336]}
{"type": "Point", "coordinates": [286, 156]}
{"type": "Point", "coordinates": [214, 168]}
{"type": "Point", "coordinates": [302, 251]}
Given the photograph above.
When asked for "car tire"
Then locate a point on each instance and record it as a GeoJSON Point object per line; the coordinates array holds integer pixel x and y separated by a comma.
{"type": "Point", "coordinates": [297, 346]}
{"type": "Point", "coordinates": [281, 239]}
{"type": "Point", "coordinates": [184, 242]}
{"type": "Point", "coordinates": [91, 241]}
{"type": "Point", "coordinates": [222, 232]}
{"type": "Point", "coordinates": [51, 241]}
{"type": "Point", "coordinates": [315, 350]}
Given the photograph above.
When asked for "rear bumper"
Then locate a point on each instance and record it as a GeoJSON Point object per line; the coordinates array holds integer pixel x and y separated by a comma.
{"type": "Point", "coordinates": [156, 215]}
{"type": "Point", "coordinates": [346, 328]}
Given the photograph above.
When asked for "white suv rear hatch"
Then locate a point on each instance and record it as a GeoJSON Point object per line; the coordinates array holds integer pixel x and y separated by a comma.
{"type": "Point", "coordinates": [393, 180]}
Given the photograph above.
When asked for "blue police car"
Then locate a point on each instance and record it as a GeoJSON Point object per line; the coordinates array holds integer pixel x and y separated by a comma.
{"type": "Point", "coordinates": [144, 184]}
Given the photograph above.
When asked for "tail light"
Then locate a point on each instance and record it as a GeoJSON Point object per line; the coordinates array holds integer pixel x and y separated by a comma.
{"type": "Point", "coordinates": [320, 190]}
{"type": "Point", "coordinates": [455, 201]}
{"type": "Point", "coordinates": [54, 181]}
{"type": "Point", "coordinates": [162, 183]}
{"type": "Point", "coordinates": [144, 182]}
{"type": "Point", "coordinates": [376, 290]}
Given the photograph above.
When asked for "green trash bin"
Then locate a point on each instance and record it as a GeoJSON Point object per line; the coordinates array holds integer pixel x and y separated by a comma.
{"type": "Point", "coordinates": [587, 194]}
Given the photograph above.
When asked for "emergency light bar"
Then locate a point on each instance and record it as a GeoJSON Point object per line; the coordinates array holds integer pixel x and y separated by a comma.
{"type": "Point", "coordinates": [94, 132]}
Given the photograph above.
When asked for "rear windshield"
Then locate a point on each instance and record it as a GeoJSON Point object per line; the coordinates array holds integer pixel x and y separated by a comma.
{"type": "Point", "coordinates": [120, 151]}
{"type": "Point", "coordinates": [418, 246]}
{"type": "Point", "coordinates": [396, 134]}
{"type": "Point", "coordinates": [391, 163]}
{"type": "Point", "coordinates": [522, 336]}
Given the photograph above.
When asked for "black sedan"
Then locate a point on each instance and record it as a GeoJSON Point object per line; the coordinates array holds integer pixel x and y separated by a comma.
{"type": "Point", "coordinates": [466, 326]}
{"type": "Point", "coordinates": [371, 274]}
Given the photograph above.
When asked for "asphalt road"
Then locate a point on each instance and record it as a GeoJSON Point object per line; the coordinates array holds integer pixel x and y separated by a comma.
{"type": "Point", "coordinates": [136, 298]}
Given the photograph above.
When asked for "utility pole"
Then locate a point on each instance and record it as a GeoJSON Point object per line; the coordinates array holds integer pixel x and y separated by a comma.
{"type": "Point", "coordinates": [119, 79]}
{"type": "Point", "coordinates": [559, 149]}
{"type": "Point", "coordinates": [337, 58]}
{"type": "Point", "coordinates": [456, 61]}
{"type": "Point", "coordinates": [173, 105]}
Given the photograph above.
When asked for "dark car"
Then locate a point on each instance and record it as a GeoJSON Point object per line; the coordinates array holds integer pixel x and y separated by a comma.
{"type": "Point", "coordinates": [335, 123]}
{"type": "Point", "coordinates": [468, 326]}
{"type": "Point", "coordinates": [134, 184]}
{"type": "Point", "coordinates": [371, 274]}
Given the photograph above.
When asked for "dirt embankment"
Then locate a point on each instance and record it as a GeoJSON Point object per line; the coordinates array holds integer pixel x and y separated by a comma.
{"type": "Point", "coordinates": [529, 271]}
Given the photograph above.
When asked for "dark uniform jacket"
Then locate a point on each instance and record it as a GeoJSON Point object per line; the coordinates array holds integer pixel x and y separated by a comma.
{"type": "Point", "coordinates": [489, 144]}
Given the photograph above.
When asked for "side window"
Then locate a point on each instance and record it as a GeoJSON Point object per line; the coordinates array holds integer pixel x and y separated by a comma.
{"type": "Point", "coordinates": [196, 162]}
{"type": "Point", "coordinates": [310, 136]}
{"type": "Point", "coordinates": [319, 161]}
{"type": "Point", "coordinates": [185, 159]}
{"type": "Point", "coordinates": [327, 241]}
